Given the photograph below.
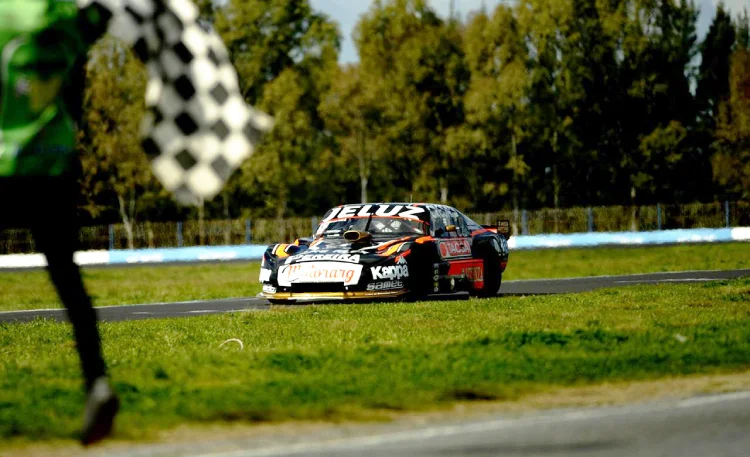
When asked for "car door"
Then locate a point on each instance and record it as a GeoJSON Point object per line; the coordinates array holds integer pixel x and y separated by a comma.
{"type": "Point", "coordinates": [454, 240]}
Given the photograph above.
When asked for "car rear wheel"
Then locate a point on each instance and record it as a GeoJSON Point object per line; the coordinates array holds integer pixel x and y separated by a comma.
{"type": "Point", "coordinates": [492, 275]}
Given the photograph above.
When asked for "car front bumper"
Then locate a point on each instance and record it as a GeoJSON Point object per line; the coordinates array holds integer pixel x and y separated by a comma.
{"type": "Point", "coordinates": [329, 296]}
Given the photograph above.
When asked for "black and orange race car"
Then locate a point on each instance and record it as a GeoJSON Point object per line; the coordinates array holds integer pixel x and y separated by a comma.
{"type": "Point", "coordinates": [387, 250]}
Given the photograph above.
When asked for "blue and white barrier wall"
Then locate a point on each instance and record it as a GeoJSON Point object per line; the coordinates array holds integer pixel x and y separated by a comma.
{"type": "Point", "coordinates": [630, 238]}
{"type": "Point", "coordinates": [254, 252]}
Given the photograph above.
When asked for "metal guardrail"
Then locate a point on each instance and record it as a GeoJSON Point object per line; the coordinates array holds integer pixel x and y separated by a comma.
{"type": "Point", "coordinates": [151, 235]}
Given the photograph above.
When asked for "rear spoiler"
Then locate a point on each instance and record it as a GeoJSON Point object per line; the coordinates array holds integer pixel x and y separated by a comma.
{"type": "Point", "coordinates": [502, 227]}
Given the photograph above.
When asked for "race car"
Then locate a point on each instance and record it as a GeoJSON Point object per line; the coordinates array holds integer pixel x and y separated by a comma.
{"type": "Point", "coordinates": [387, 250]}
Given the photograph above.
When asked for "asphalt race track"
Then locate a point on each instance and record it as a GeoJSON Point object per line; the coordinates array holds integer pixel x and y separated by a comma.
{"type": "Point", "coordinates": [703, 426]}
{"type": "Point", "coordinates": [526, 287]}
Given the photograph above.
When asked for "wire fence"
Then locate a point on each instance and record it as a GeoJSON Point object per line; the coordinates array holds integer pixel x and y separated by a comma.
{"type": "Point", "coordinates": [523, 222]}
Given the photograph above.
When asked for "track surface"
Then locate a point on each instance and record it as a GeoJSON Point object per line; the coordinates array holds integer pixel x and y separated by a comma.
{"type": "Point", "coordinates": [526, 287]}
{"type": "Point", "coordinates": [705, 426]}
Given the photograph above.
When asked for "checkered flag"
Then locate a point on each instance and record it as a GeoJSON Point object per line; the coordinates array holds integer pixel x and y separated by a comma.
{"type": "Point", "coordinates": [197, 129]}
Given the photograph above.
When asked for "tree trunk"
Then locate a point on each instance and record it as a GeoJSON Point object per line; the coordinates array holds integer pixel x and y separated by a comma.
{"type": "Point", "coordinates": [555, 185]}
{"type": "Point", "coordinates": [126, 221]}
{"type": "Point", "coordinates": [201, 223]}
{"type": "Point", "coordinates": [633, 211]}
{"type": "Point", "coordinates": [363, 182]}
{"type": "Point", "coordinates": [444, 194]}
{"type": "Point", "coordinates": [514, 229]}
{"type": "Point", "coordinates": [150, 235]}
{"type": "Point", "coordinates": [280, 212]}
{"type": "Point", "coordinates": [228, 230]}
{"type": "Point", "coordinates": [364, 166]}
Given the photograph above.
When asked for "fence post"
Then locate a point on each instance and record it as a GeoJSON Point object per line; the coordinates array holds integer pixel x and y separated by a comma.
{"type": "Point", "coordinates": [248, 233]}
{"type": "Point", "coordinates": [658, 216]}
{"type": "Point", "coordinates": [111, 237]}
{"type": "Point", "coordinates": [590, 212]}
{"type": "Point", "coordinates": [524, 222]}
{"type": "Point", "coordinates": [179, 234]}
{"type": "Point", "coordinates": [726, 212]}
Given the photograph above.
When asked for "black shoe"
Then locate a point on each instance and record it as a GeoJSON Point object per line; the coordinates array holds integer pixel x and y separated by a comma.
{"type": "Point", "coordinates": [101, 407]}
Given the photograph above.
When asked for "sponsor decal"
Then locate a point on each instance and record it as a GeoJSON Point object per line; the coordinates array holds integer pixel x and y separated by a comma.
{"type": "Point", "coordinates": [265, 275]}
{"type": "Point", "coordinates": [405, 211]}
{"type": "Point", "coordinates": [455, 248]}
{"type": "Point", "coordinates": [386, 285]}
{"type": "Point", "coordinates": [269, 289]}
{"type": "Point", "coordinates": [400, 260]}
{"type": "Point", "coordinates": [391, 272]}
{"type": "Point", "coordinates": [326, 272]}
{"type": "Point", "coordinates": [318, 257]}
{"type": "Point", "coordinates": [474, 274]}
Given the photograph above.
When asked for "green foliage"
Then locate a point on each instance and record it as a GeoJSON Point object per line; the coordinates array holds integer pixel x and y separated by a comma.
{"type": "Point", "coordinates": [537, 103]}
{"type": "Point", "coordinates": [116, 173]}
{"type": "Point", "coordinates": [731, 161]}
{"type": "Point", "coordinates": [285, 55]}
{"type": "Point", "coordinates": [417, 62]}
{"type": "Point", "coordinates": [713, 76]}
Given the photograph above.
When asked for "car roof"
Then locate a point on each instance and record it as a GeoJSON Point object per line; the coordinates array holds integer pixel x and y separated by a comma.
{"type": "Point", "coordinates": [397, 203]}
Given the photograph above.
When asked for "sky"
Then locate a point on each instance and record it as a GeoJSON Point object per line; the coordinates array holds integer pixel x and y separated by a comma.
{"type": "Point", "coordinates": [347, 12]}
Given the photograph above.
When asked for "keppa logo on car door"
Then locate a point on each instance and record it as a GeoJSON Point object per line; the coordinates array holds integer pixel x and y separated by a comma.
{"type": "Point", "coordinates": [392, 272]}
{"type": "Point", "coordinates": [455, 248]}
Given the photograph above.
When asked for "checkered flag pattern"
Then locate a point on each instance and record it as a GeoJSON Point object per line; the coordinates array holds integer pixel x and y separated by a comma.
{"type": "Point", "coordinates": [197, 129]}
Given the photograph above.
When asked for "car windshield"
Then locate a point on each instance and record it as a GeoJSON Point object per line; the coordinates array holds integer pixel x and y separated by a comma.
{"type": "Point", "coordinates": [375, 225]}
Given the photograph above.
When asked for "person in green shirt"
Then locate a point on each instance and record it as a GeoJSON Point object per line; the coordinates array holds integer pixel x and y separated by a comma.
{"type": "Point", "coordinates": [43, 47]}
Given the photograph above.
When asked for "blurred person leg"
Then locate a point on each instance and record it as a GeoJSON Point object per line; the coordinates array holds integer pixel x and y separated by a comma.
{"type": "Point", "coordinates": [47, 205]}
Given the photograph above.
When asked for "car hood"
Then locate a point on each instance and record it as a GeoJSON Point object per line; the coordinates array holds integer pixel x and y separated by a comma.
{"type": "Point", "coordinates": [338, 250]}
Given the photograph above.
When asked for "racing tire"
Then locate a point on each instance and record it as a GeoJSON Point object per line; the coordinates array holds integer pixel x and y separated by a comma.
{"type": "Point", "coordinates": [277, 302]}
{"type": "Point", "coordinates": [493, 277]}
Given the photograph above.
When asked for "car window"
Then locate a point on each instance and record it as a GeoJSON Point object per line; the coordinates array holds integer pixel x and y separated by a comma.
{"type": "Point", "coordinates": [470, 224]}
{"type": "Point", "coordinates": [441, 219]}
{"type": "Point", "coordinates": [460, 223]}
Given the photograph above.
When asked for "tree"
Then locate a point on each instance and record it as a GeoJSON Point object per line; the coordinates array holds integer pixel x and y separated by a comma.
{"type": "Point", "coordinates": [285, 55]}
{"type": "Point", "coordinates": [658, 71]}
{"type": "Point", "coordinates": [114, 165]}
{"type": "Point", "coordinates": [352, 111]}
{"type": "Point", "coordinates": [731, 160]}
{"type": "Point", "coordinates": [713, 75]}
{"type": "Point", "coordinates": [543, 24]}
{"type": "Point", "coordinates": [496, 102]}
{"type": "Point", "coordinates": [417, 60]}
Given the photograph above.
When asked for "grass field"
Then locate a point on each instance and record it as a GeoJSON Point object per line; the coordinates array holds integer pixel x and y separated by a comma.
{"type": "Point", "coordinates": [134, 285]}
{"type": "Point", "coordinates": [355, 362]}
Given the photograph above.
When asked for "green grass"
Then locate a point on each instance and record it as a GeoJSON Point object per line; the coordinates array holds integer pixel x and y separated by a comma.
{"type": "Point", "coordinates": [354, 362]}
{"type": "Point", "coordinates": [562, 263]}
{"type": "Point", "coordinates": [135, 285]}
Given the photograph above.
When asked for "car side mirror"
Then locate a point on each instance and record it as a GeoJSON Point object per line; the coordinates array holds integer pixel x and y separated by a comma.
{"type": "Point", "coordinates": [450, 228]}
{"type": "Point", "coordinates": [503, 227]}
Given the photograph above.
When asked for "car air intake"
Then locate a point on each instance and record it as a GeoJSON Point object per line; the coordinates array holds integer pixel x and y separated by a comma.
{"type": "Point", "coordinates": [356, 235]}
